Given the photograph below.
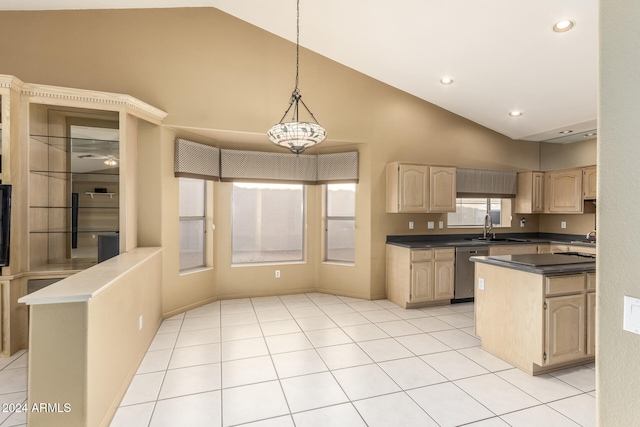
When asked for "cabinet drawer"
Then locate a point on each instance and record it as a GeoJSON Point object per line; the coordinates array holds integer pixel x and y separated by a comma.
{"type": "Point", "coordinates": [444, 254]}
{"type": "Point", "coordinates": [421, 254]}
{"type": "Point", "coordinates": [557, 285]}
{"type": "Point", "coordinates": [591, 281]}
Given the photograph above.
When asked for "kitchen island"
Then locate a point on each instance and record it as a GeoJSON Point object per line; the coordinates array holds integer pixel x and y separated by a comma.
{"type": "Point", "coordinates": [536, 311]}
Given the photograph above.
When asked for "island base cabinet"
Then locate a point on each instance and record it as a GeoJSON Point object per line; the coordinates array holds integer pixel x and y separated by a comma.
{"type": "Point", "coordinates": [565, 329]}
{"type": "Point", "coordinates": [538, 323]}
{"type": "Point", "coordinates": [591, 324]}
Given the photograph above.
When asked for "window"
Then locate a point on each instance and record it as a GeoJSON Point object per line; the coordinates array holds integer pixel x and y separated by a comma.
{"type": "Point", "coordinates": [192, 223]}
{"type": "Point", "coordinates": [267, 223]}
{"type": "Point", "coordinates": [470, 212]}
{"type": "Point", "coordinates": [340, 222]}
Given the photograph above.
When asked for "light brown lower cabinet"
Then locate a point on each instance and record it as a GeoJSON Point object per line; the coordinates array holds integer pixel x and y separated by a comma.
{"type": "Point", "coordinates": [420, 277]}
{"type": "Point", "coordinates": [536, 322]}
{"type": "Point", "coordinates": [591, 324]}
{"type": "Point", "coordinates": [565, 328]}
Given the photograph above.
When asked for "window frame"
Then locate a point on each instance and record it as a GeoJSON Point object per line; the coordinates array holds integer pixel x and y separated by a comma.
{"type": "Point", "coordinates": [328, 218]}
{"type": "Point", "coordinates": [189, 218]}
{"type": "Point", "coordinates": [505, 212]}
{"type": "Point", "coordinates": [303, 218]}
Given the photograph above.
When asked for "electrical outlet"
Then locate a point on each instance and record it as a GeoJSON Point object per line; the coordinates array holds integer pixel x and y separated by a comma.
{"type": "Point", "coordinates": [563, 224]}
{"type": "Point", "coordinates": [410, 225]}
{"type": "Point", "coordinates": [440, 224]}
{"type": "Point", "coordinates": [140, 323]}
{"type": "Point", "coordinates": [277, 274]}
{"type": "Point", "coordinates": [430, 225]}
{"type": "Point", "coordinates": [481, 283]}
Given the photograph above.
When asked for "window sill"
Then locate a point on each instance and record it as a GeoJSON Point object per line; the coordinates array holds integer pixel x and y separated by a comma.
{"type": "Point", "coordinates": [267, 264]}
{"type": "Point", "coordinates": [194, 270]}
{"type": "Point", "coordinates": [340, 263]}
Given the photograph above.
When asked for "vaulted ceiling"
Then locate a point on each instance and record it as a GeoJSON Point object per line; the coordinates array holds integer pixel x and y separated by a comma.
{"type": "Point", "coordinates": [502, 55]}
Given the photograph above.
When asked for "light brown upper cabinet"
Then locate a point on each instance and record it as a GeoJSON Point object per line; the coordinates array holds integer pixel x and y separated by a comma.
{"type": "Point", "coordinates": [407, 186]}
{"type": "Point", "coordinates": [442, 189]}
{"type": "Point", "coordinates": [416, 188]}
{"type": "Point", "coordinates": [563, 191]}
{"type": "Point", "coordinates": [589, 183]}
{"type": "Point", "coordinates": [530, 193]}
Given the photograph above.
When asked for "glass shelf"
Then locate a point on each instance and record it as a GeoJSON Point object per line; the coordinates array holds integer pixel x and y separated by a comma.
{"type": "Point", "coordinates": [79, 207]}
{"type": "Point", "coordinates": [69, 231]}
{"type": "Point", "coordinates": [102, 175]}
{"type": "Point", "coordinates": [81, 145]}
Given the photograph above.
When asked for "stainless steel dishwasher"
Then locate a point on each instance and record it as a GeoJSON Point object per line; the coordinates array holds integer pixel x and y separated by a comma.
{"type": "Point", "coordinates": [464, 280]}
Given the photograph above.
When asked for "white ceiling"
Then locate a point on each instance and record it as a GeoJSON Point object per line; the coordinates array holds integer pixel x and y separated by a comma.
{"type": "Point", "coordinates": [502, 54]}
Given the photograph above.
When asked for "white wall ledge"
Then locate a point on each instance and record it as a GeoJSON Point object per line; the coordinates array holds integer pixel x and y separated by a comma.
{"type": "Point", "coordinates": [83, 286]}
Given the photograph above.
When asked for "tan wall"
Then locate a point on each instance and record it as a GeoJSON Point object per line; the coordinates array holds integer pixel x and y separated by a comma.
{"type": "Point", "coordinates": [566, 156]}
{"type": "Point", "coordinates": [209, 70]}
{"type": "Point", "coordinates": [618, 175]}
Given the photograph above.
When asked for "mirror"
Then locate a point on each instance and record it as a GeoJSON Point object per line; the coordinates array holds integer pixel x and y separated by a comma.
{"type": "Point", "coordinates": [94, 159]}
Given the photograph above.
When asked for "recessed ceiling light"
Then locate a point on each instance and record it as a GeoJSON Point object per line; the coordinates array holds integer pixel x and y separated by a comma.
{"type": "Point", "coordinates": [586, 135]}
{"type": "Point", "coordinates": [563, 26]}
{"type": "Point", "coordinates": [515, 113]}
{"type": "Point", "coordinates": [564, 132]}
{"type": "Point", "coordinates": [446, 81]}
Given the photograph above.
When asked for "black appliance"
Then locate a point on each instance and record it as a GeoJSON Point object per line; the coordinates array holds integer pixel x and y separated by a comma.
{"type": "Point", "coordinates": [5, 223]}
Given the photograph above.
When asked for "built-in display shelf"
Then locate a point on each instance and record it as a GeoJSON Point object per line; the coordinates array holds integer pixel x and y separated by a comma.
{"type": "Point", "coordinates": [100, 194]}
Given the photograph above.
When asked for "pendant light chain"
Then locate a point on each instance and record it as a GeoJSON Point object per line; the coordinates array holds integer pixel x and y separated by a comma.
{"type": "Point", "coordinates": [297, 135]}
{"type": "Point", "coordinates": [297, 43]}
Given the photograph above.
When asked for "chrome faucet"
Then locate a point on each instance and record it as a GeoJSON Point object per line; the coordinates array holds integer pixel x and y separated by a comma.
{"type": "Point", "coordinates": [591, 234]}
{"type": "Point", "coordinates": [488, 225]}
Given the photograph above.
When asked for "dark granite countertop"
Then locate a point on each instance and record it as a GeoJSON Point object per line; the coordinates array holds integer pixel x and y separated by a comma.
{"type": "Point", "coordinates": [541, 263]}
{"type": "Point", "coordinates": [447, 240]}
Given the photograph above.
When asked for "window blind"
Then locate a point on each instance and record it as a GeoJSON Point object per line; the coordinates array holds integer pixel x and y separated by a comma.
{"type": "Point", "coordinates": [485, 183]}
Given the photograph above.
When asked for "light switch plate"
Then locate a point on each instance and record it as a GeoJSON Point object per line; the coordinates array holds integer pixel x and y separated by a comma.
{"type": "Point", "coordinates": [430, 225]}
{"type": "Point", "coordinates": [631, 315]}
{"type": "Point", "coordinates": [440, 224]}
{"type": "Point", "coordinates": [481, 283]}
{"type": "Point", "coordinates": [410, 225]}
{"type": "Point", "coordinates": [563, 224]}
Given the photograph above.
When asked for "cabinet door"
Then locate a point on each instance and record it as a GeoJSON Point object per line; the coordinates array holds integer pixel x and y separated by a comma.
{"type": "Point", "coordinates": [412, 188]}
{"type": "Point", "coordinates": [442, 189]}
{"type": "Point", "coordinates": [530, 193]}
{"type": "Point", "coordinates": [444, 276]}
{"type": "Point", "coordinates": [421, 281]}
{"type": "Point", "coordinates": [537, 202]}
{"type": "Point", "coordinates": [565, 328]}
{"type": "Point", "coordinates": [591, 324]}
{"type": "Point", "coordinates": [589, 183]}
{"type": "Point", "coordinates": [563, 191]}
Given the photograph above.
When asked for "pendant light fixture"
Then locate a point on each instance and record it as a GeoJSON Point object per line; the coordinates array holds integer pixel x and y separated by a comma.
{"type": "Point", "coordinates": [297, 135]}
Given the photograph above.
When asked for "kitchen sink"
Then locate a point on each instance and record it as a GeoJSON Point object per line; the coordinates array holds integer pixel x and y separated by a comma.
{"type": "Point", "coordinates": [592, 242]}
{"type": "Point", "coordinates": [497, 239]}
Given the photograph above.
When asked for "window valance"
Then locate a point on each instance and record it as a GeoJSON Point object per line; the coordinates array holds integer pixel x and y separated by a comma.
{"type": "Point", "coordinates": [197, 160]}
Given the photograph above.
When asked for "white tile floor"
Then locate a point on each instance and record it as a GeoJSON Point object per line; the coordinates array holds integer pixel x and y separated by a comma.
{"type": "Point", "coordinates": [322, 360]}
